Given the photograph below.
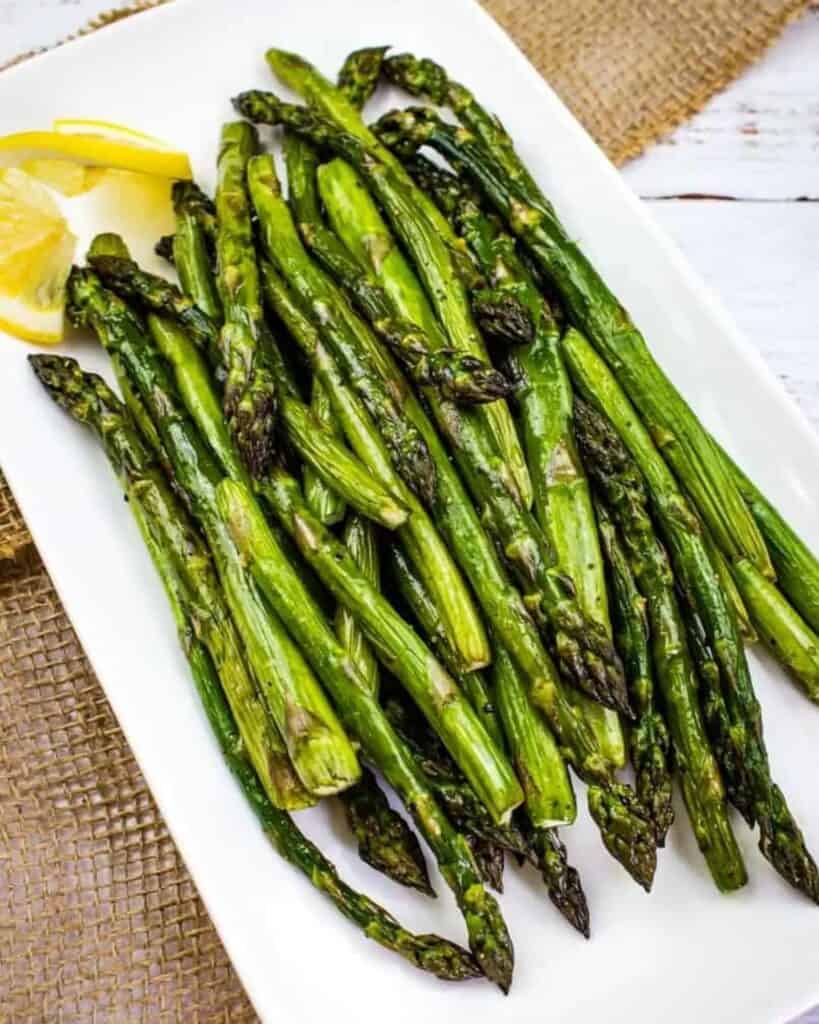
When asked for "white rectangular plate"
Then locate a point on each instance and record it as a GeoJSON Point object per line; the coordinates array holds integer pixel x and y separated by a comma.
{"type": "Point", "coordinates": [682, 954]}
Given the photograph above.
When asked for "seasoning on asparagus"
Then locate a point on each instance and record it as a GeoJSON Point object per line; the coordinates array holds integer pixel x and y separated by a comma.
{"type": "Point", "coordinates": [360, 72]}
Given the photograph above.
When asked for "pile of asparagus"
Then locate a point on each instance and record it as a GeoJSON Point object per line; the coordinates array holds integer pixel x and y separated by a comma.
{"type": "Point", "coordinates": [424, 504]}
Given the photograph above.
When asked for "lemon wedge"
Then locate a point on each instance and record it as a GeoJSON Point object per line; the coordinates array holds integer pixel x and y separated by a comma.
{"type": "Point", "coordinates": [36, 249]}
{"type": "Point", "coordinates": [96, 144]}
{"type": "Point", "coordinates": [64, 176]}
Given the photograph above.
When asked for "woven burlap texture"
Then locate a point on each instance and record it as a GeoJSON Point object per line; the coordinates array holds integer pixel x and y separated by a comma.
{"type": "Point", "coordinates": [100, 920]}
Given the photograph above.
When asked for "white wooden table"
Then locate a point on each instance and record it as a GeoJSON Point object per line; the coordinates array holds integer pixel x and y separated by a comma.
{"type": "Point", "coordinates": [737, 187]}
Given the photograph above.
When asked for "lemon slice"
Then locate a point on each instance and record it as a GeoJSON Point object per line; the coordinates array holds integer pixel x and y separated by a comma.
{"type": "Point", "coordinates": [36, 249]}
{"type": "Point", "coordinates": [109, 130]}
{"type": "Point", "coordinates": [64, 176]}
{"type": "Point", "coordinates": [95, 149]}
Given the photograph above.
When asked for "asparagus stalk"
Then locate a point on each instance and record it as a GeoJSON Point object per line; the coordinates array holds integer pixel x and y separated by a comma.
{"type": "Point", "coordinates": [561, 492]}
{"type": "Point", "coordinates": [244, 523]}
{"type": "Point", "coordinates": [385, 841]}
{"type": "Point", "coordinates": [548, 793]}
{"type": "Point", "coordinates": [189, 578]}
{"type": "Point", "coordinates": [585, 653]}
{"type": "Point", "coordinates": [362, 543]}
{"type": "Point", "coordinates": [359, 74]}
{"type": "Point", "coordinates": [352, 342]}
{"type": "Point", "coordinates": [318, 747]}
{"type": "Point", "coordinates": [250, 386]}
{"type": "Point", "coordinates": [649, 741]}
{"type": "Point", "coordinates": [423, 231]}
{"type": "Point", "coordinates": [422, 607]}
{"type": "Point", "coordinates": [395, 642]}
{"type": "Point", "coordinates": [328, 506]}
{"type": "Point", "coordinates": [730, 588]}
{"type": "Point", "coordinates": [781, 840]}
{"type": "Point", "coordinates": [613, 806]}
{"type": "Point", "coordinates": [458, 376]}
{"type": "Point", "coordinates": [219, 673]}
{"type": "Point", "coordinates": [488, 153]}
{"type": "Point", "coordinates": [797, 568]}
{"type": "Point", "coordinates": [540, 847]}
{"type": "Point", "coordinates": [332, 461]}
{"type": "Point", "coordinates": [783, 630]}
{"type": "Point", "coordinates": [192, 247]}
{"type": "Point", "coordinates": [124, 276]}
{"type": "Point", "coordinates": [580, 745]}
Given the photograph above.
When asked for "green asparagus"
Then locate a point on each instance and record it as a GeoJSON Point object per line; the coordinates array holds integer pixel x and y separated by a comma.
{"type": "Point", "coordinates": [359, 74]}
{"type": "Point", "coordinates": [423, 231]}
{"type": "Point", "coordinates": [624, 827]}
{"type": "Point", "coordinates": [797, 568]}
{"type": "Point", "coordinates": [318, 747]}
{"type": "Point", "coordinates": [328, 506]}
{"type": "Point", "coordinates": [781, 840]}
{"type": "Point", "coordinates": [584, 651]}
{"type": "Point", "coordinates": [595, 310]}
{"type": "Point", "coordinates": [250, 386]}
{"type": "Point", "coordinates": [351, 342]}
{"type": "Point", "coordinates": [166, 525]}
{"type": "Point", "coordinates": [422, 609]}
{"type": "Point", "coordinates": [649, 741]}
{"type": "Point", "coordinates": [562, 501]}
{"type": "Point", "coordinates": [459, 376]}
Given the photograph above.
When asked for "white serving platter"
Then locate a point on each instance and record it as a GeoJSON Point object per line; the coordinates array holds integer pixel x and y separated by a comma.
{"type": "Point", "coordinates": [682, 954]}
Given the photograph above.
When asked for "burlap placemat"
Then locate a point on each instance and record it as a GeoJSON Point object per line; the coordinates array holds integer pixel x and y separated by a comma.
{"type": "Point", "coordinates": [100, 920]}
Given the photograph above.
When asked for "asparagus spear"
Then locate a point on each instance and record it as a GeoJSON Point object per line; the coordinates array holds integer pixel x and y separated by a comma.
{"type": "Point", "coordinates": [547, 790]}
{"type": "Point", "coordinates": [360, 72]}
{"type": "Point", "coordinates": [422, 607]}
{"type": "Point", "coordinates": [323, 500]}
{"type": "Point", "coordinates": [169, 532]}
{"type": "Point", "coordinates": [352, 342]}
{"type": "Point", "coordinates": [781, 840]}
{"type": "Point", "coordinates": [540, 847]}
{"type": "Point", "coordinates": [394, 641]}
{"type": "Point", "coordinates": [459, 376]}
{"type": "Point", "coordinates": [797, 568]}
{"type": "Point", "coordinates": [362, 543]}
{"type": "Point", "coordinates": [562, 500]}
{"type": "Point", "coordinates": [613, 806]}
{"type": "Point", "coordinates": [332, 461]}
{"type": "Point", "coordinates": [426, 235]}
{"type": "Point", "coordinates": [239, 520]}
{"type": "Point", "coordinates": [649, 741]}
{"type": "Point", "coordinates": [188, 582]}
{"type": "Point", "coordinates": [250, 386]}
{"type": "Point", "coordinates": [580, 744]}
{"type": "Point", "coordinates": [317, 745]}
{"type": "Point", "coordinates": [385, 841]}
{"type": "Point", "coordinates": [584, 651]}
{"type": "Point", "coordinates": [783, 630]}
{"type": "Point", "coordinates": [126, 278]}
{"type": "Point", "coordinates": [594, 309]}
{"type": "Point", "coordinates": [217, 667]}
